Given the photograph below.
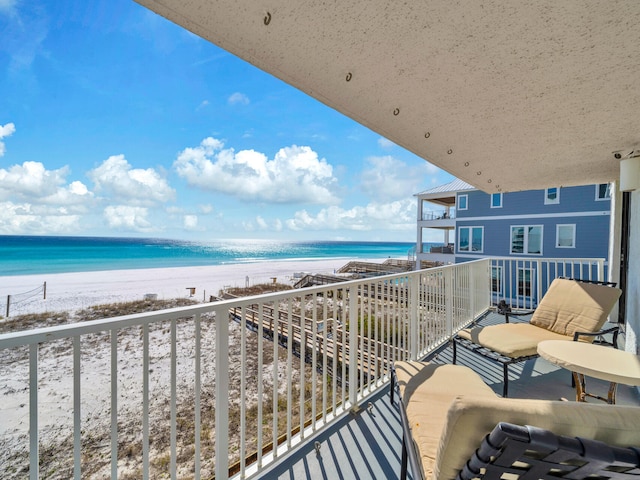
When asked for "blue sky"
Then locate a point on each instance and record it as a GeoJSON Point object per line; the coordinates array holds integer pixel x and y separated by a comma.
{"type": "Point", "coordinates": [116, 122]}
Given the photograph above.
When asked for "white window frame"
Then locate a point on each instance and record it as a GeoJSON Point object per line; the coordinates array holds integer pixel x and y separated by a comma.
{"type": "Point", "coordinates": [520, 286]}
{"type": "Point", "coordinates": [525, 240]}
{"type": "Point", "coordinates": [573, 240]}
{"type": "Point", "coordinates": [470, 246]}
{"type": "Point", "coordinates": [466, 202]}
{"type": "Point", "coordinates": [491, 200]}
{"type": "Point", "coordinates": [551, 201]}
{"type": "Point", "coordinates": [499, 279]}
{"type": "Point", "coordinates": [598, 197]}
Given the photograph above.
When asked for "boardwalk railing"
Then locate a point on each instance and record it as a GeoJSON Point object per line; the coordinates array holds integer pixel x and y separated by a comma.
{"type": "Point", "coordinates": [222, 388]}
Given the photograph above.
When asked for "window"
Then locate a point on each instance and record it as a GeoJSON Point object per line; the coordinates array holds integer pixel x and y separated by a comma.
{"type": "Point", "coordinates": [524, 281]}
{"type": "Point", "coordinates": [496, 280]}
{"type": "Point", "coordinates": [603, 191]}
{"type": "Point", "coordinates": [566, 236]}
{"type": "Point", "coordinates": [462, 202]}
{"type": "Point", "coordinates": [526, 239]}
{"type": "Point", "coordinates": [471, 239]}
{"type": "Point", "coordinates": [496, 200]}
{"type": "Point", "coordinates": [551, 196]}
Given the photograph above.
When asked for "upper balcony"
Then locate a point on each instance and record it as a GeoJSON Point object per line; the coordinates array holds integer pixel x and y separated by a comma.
{"type": "Point", "coordinates": [438, 219]}
{"type": "Point", "coordinates": [283, 385]}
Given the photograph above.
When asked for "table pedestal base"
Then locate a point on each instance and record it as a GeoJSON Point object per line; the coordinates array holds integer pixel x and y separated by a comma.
{"type": "Point", "coordinates": [581, 392]}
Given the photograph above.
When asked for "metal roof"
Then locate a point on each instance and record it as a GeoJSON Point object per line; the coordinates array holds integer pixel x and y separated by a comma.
{"type": "Point", "coordinates": [507, 96]}
{"type": "Point", "coordinates": [448, 188]}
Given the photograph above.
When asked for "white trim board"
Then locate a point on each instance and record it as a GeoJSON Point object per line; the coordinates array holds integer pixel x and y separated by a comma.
{"type": "Point", "coordinates": [534, 215]}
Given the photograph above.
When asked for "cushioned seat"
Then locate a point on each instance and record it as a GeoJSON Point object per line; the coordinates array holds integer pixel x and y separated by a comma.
{"type": "Point", "coordinates": [447, 410]}
{"type": "Point", "coordinates": [570, 310]}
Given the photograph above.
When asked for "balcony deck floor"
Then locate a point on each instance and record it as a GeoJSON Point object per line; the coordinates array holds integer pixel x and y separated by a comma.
{"type": "Point", "coordinates": [368, 445]}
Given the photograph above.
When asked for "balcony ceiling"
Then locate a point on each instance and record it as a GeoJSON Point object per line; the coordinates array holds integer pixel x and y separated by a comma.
{"type": "Point", "coordinates": [504, 95]}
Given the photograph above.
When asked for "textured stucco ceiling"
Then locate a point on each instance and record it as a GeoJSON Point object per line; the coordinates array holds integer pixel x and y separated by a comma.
{"type": "Point", "coordinates": [504, 95]}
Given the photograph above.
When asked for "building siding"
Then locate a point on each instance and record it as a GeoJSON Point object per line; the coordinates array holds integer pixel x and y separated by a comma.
{"type": "Point", "coordinates": [572, 199]}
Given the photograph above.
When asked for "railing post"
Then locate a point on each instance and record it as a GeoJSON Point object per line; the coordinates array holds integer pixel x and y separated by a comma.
{"type": "Point", "coordinates": [448, 299]}
{"type": "Point", "coordinates": [414, 289]}
{"type": "Point", "coordinates": [538, 282]}
{"type": "Point", "coordinates": [472, 291]}
{"type": "Point", "coordinates": [353, 346]}
{"type": "Point", "coordinates": [222, 393]}
{"type": "Point", "coordinates": [601, 271]}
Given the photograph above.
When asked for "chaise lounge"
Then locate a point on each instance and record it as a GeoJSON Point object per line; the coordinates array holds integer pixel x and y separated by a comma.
{"type": "Point", "coordinates": [570, 310]}
{"type": "Point", "coordinates": [447, 411]}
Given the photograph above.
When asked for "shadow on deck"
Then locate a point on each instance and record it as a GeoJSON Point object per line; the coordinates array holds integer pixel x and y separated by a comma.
{"type": "Point", "coordinates": [368, 445]}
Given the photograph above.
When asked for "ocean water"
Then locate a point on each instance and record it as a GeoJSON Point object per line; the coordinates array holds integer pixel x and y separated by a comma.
{"type": "Point", "coordinates": [27, 255]}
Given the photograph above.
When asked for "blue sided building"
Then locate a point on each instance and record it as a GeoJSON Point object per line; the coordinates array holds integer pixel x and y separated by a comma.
{"type": "Point", "coordinates": [516, 229]}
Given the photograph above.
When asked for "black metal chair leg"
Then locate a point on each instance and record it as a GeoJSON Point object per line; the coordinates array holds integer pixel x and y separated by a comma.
{"type": "Point", "coordinates": [403, 469]}
{"type": "Point", "coordinates": [455, 352]}
{"type": "Point", "coordinates": [505, 381]}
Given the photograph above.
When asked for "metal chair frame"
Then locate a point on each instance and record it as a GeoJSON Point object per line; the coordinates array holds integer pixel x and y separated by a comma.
{"type": "Point", "coordinates": [531, 453]}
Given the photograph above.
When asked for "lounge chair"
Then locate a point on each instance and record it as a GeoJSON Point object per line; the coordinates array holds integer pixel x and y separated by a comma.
{"type": "Point", "coordinates": [447, 411]}
{"type": "Point", "coordinates": [570, 310]}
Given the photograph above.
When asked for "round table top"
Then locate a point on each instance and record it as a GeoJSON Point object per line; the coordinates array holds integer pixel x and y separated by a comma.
{"type": "Point", "coordinates": [598, 361]}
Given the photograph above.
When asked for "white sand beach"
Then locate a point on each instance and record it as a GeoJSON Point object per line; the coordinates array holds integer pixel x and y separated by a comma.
{"type": "Point", "coordinates": [72, 291]}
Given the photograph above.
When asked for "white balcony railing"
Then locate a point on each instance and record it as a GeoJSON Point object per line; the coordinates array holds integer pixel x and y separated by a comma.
{"type": "Point", "coordinates": [522, 282]}
{"type": "Point", "coordinates": [205, 390]}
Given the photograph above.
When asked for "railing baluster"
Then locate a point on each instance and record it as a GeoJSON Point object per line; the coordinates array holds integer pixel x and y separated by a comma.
{"type": "Point", "coordinates": [314, 360]}
{"type": "Point", "coordinates": [276, 322]}
{"type": "Point", "coordinates": [303, 351]}
{"type": "Point", "coordinates": [114, 404]}
{"type": "Point", "coordinates": [289, 374]}
{"type": "Point", "coordinates": [34, 443]}
{"type": "Point", "coordinates": [173, 375]}
{"type": "Point", "coordinates": [243, 388]}
{"type": "Point", "coordinates": [222, 393]}
{"type": "Point", "coordinates": [77, 431]}
{"type": "Point", "coordinates": [145, 401]}
{"type": "Point", "coordinates": [353, 345]}
{"type": "Point", "coordinates": [196, 394]}
{"type": "Point", "coordinates": [260, 381]}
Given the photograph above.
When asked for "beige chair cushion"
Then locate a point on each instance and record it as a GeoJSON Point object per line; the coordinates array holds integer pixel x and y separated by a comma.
{"type": "Point", "coordinates": [450, 410]}
{"type": "Point", "coordinates": [510, 339]}
{"type": "Point", "coordinates": [470, 418]}
{"type": "Point", "coordinates": [427, 391]}
{"type": "Point", "coordinates": [570, 306]}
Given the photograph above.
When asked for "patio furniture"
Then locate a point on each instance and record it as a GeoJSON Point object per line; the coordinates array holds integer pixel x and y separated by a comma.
{"type": "Point", "coordinates": [447, 410]}
{"type": "Point", "coordinates": [615, 366]}
{"type": "Point", "coordinates": [570, 310]}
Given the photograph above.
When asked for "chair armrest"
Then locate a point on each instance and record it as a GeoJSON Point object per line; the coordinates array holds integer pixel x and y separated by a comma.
{"type": "Point", "coordinates": [613, 330]}
{"type": "Point", "coordinates": [503, 309]}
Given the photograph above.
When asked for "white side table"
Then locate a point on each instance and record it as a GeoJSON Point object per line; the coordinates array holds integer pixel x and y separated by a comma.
{"type": "Point", "coordinates": [605, 363]}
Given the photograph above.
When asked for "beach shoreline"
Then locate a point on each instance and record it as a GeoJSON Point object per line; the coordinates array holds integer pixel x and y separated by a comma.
{"type": "Point", "coordinates": [77, 290]}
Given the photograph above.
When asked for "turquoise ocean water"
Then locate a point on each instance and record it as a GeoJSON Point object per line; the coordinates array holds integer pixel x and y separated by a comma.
{"type": "Point", "coordinates": [27, 255]}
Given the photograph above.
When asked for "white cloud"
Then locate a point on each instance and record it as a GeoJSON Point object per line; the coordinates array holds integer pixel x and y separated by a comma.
{"type": "Point", "coordinates": [238, 98]}
{"type": "Point", "coordinates": [398, 215]}
{"type": "Point", "coordinates": [33, 183]}
{"type": "Point", "coordinates": [294, 175]}
{"type": "Point", "coordinates": [126, 217]}
{"type": "Point", "coordinates": [190, 222]}
{"type": "Point", "coordinates": [262, 223]}
{"type": "Point", "coordinates": [132, 186]}
{"type": "Point", "coordinates": [202, 105]}
{"type": "Point", "coordinates": [205, 208]}
{"type": "Point", "coordinates": [5, 131]}
{"type": "Point", "coordinates": [385, 143]}
{"type": "Point", "coordinates": [388, 178]}
{"type": "Point", "coordinates": [25, 218]}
